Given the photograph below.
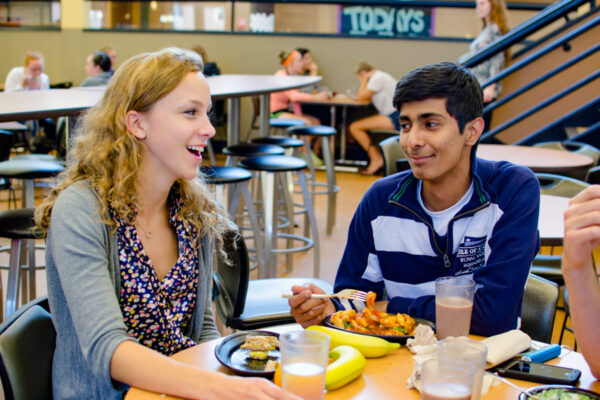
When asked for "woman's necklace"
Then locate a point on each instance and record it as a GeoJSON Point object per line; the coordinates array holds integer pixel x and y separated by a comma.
{"type": "Point", "coordinates": [147, 234]}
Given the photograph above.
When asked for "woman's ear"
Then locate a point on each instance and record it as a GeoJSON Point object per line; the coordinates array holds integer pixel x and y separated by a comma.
{"type": "Point", "coordinates": [473, 130]}
{"type": "Point", "coordinates": [135, 125]}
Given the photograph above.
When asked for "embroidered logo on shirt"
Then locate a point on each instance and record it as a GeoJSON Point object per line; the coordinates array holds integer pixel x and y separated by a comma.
{"type": "Point", "coordinates": [471, 254]}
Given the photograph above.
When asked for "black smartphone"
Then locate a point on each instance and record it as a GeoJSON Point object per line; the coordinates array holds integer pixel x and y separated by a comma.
{"type": "Point", "coordinates": [536, 372]}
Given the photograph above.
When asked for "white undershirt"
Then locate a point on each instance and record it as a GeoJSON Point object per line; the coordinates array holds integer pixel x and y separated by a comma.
{"type": "Point", "coordinates": [441, 219]}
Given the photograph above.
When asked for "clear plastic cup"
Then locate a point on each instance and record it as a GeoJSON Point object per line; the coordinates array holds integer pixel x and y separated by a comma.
{"type": "Point", "coordinates": [440, 381]}
{"type": "Point", "coordinates": [468, 351]}
{"type": "Point", "coordinates": [304, 357]}
{"type": "Point", "coordinates": [453, 305]}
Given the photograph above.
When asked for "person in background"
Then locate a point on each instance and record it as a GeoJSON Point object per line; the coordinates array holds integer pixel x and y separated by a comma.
{"type": "Point", "coordinates": [32, 77]}
{"type": "Point", "coordinates": [282, 101]}
{"type": "Point", "coordinates": [97, 69]}
{"type": "Point", "coordinates": [210, 68]}
{"type": "Point", "coordinates": [493, 14]}
{"type": "Point", "coordinates": [450, 214]}
{"type": "Point", "coordinates": [29, 77]}
{"type": "Point", "coordinates": [112, 53]}
{"type": "Point", "coordinates": [378, 87]}
{"type": "Point", "coordinates": [130, 234]}
{"type": "Point", "coordinates": [309, 66]}
{"type": "Point", "coordinates": [582, 236]}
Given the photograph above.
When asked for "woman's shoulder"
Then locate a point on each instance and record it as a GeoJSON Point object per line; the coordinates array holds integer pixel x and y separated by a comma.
{"type": "Point", "coordinates": [79, 195]}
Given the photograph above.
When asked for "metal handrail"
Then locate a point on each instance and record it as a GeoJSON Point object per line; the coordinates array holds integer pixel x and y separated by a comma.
{"type": "Point", "coordinates": [568, 24]}
{"type": "Point", "coordinates": [516, 35]}
{"type": "Point", "coordinates": [544, 50]}
{"type": "Point", "coordinates": [593, 129]}
{"type": "Point", "coordinates": [540, 106]}
{"type": "Point", "coordinates": [492, 106]}
{"type": "Point", "coordinates": [528, 140]}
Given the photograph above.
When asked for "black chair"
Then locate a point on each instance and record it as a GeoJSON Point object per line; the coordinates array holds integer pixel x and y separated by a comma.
{"type": "Point", "coordinates": [27, 342]}
{"type": "Point", "coordinates": [247, 304]}
{"type": "Point", "coordinates": [593, 176]}
{"type": "Point", "coordinates": [539, 308]}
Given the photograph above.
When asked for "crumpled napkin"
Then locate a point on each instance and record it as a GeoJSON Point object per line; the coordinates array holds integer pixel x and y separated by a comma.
{"type": "Point", "coordinates": [424, 346]}
{"type": "Point", "coordinates": [505, 346]}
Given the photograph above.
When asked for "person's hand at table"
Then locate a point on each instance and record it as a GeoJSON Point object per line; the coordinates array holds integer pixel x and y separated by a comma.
{"type": "Point", "coordinates": [248, 388]}
{"type": "Point", "coordinates": [582, 228]}
{"type": "Point", "coordinates": [321, 96]}
{"type": "Point", "coordinates": [31, 83]}
{"type": "Point", "coordinates": [307, 311]}
{"type": "Point", "coordinates": [313, 68]}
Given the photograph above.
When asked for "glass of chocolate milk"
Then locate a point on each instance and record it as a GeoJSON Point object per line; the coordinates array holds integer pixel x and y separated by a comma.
{"type": "Point", "coordinates": [442, 381]}
{"type": "Point", "coordinates": [453, 305]}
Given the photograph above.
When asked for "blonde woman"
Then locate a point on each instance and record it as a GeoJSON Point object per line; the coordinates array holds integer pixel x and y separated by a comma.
{"type": "Point", "coordinates": [493, 14]}
{"type": "Point", "coordinates": [130, 239]}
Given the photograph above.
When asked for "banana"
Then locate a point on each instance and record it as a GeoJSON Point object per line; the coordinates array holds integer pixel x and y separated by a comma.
{"type": "Point", "coordinates": [369, 346]}
{"type": "Point", "coordinates": [348, 365]}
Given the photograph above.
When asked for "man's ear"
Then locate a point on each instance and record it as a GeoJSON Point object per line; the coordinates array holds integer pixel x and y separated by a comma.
{"type": "Point", "coordinates": [135, 125]}
{"type": "Point", "coordinates": [473, 130]}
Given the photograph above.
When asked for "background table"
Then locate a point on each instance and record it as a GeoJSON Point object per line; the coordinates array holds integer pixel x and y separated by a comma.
{"type": "Point", "coordinates": [382, 378]}
{"type": "Point", "coordinates": [38, 104]}
{"type": "Point", "coordinates": [551, 223]}
{"type": "Point", "coordinates": [539, 159]}
{"type": "Point", "coordinates": [342, 102]}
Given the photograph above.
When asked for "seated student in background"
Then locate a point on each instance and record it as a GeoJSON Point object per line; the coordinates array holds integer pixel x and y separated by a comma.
{"type": "Point", "coordinates": [378, 87]}
{"type": "Point", "coordinates": [309, 66]}
{"type": "Point", "coordinates": [112, 54]}
{"type": "Point", "coordinates": [29, 77]}
{"type": "Point", "coordinates": [451, 214]}
{"type": "Point", "coordinates": [32, 77]}
{"type": "Point", "coordinates": [97, 69]}
{"type": "Point", "coordinates": [282, 101]}
{"type": "Point", "coordinates": [130, 237]}
{"type": "Point", "coordinates": [210, 68]}
{"type": "Point", "coordinates": [582, 236]}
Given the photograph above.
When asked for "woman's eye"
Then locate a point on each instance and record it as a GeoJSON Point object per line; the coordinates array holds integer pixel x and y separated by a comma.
{"type": "Point", "coordinates": [191, 112]}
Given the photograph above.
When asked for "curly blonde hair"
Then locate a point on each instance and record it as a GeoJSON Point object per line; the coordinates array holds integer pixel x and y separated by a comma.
{"type": "Point", "coordinates": [108, 157]}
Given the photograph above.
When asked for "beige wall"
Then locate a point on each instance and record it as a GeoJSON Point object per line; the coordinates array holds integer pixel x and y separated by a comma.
{"type": "Point", "coordinates": [65, 52]}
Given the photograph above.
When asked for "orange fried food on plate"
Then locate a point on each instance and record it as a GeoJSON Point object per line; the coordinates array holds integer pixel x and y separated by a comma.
{"type": "Point", "coordinates": [373, 321]}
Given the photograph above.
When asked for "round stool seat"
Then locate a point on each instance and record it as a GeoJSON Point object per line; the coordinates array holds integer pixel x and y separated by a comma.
{"type": "Point", "coordinates": [316, 130]}
{"type": "Point", "coordinates": [38, 157]}
{"type": "Point", "coordinates": [273, 163]}
{"type": "Point", "coordinates": [29, 169]}
{"type": "Point", "coordinates": [218, 175]}
{"type": "Point", "coordinates": [18, 224]}
{"type": "Point", "coordinates": [283, 141]}
{"type": "Point", "coordinates": [253, 149]}
{"type": "Point", "coordinates": [285, 122]}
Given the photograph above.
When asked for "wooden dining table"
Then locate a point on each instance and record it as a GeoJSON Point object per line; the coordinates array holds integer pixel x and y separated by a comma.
{"type": "Point", "coordinates": [382, 378]}
{"type": "Point", "coordinates": [538, 159]}
{"type": "Point", "coordinates": [38, 104]}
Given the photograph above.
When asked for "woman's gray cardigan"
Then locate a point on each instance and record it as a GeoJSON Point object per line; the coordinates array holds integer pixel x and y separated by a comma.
{"type": "Point", "coordinates": [83, 279]}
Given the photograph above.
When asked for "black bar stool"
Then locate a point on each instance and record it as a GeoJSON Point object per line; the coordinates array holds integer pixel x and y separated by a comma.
{"type": "Point", "coordinates": [236, 179]}
{"type": "Point", "coordinates": [327, 134]}
{"type": "Point", "coordinates": [270, 168]}
{"type": "Point", "coordinates": [17, 225]}
{"type": "Point", "coordinates": [27, 170]}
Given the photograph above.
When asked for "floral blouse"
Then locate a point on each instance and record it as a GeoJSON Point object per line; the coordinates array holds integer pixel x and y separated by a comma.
{"type": "Point", "coordinates": [156, 312]}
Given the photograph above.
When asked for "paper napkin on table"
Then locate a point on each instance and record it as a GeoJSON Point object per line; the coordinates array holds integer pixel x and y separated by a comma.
{"type": "Point", "coordinates": [424, 346]}
{"type": "Point", "coordinates": [505, 346]}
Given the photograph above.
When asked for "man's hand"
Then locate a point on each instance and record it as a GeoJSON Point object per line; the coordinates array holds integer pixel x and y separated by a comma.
{"type": "Point", "coordinates": [582, 228]}
{"type": "Point", "coordinates": [307, 311]}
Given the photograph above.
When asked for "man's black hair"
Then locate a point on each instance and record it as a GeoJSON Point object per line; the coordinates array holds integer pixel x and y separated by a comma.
{"type": "Point", "coordinates": [445, 80]}
{"type": "Point", "coordinates": [102, 60]}
{"type": "Point", "coordinates": [302, 51]}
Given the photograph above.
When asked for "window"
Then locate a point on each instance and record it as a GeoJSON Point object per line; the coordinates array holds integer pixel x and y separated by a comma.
{"type": "Point", "coordinates": [30, 14]}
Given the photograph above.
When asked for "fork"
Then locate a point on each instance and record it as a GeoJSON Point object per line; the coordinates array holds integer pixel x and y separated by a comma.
{"type": "Point", "coordinates": [352, 294]}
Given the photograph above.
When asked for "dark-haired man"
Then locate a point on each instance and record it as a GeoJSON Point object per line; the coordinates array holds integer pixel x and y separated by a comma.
{"type": "Point", "coordinates": [97, 69]}
{"type": "Point", "coordinates": [451, 214]}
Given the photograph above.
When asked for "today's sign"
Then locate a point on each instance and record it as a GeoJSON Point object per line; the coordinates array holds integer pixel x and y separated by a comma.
{"type": "Point", "coordinates": [385, 21]}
